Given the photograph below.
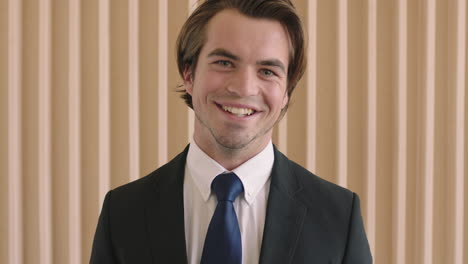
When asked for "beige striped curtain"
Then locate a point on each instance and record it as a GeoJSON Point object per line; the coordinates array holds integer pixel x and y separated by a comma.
{"type": "Point", "coordinates": [88, 102]}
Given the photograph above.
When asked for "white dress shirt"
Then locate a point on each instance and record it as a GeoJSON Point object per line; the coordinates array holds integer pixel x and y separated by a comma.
{"type": "Point", "coordinates": [250, 206]}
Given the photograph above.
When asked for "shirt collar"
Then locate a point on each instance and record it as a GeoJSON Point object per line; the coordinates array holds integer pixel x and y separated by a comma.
{"type": "Point", "coordinates": [253, 173]}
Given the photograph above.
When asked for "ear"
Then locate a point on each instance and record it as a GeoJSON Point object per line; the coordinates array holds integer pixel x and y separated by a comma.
{"type": "Point", "coordinates": [285, 100]}
{"type": "Point", "coordinates": [188, 79]}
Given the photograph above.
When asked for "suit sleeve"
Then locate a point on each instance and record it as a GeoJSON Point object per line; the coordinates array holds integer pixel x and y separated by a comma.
{"type": "Point", "coordinates": [102, 252]}
{"type": "Point", "coordinates": [357, 248]}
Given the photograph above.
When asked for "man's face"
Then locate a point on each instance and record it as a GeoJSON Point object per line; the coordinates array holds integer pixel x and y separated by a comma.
{"type": "Point", "coordinates": [239, 85]}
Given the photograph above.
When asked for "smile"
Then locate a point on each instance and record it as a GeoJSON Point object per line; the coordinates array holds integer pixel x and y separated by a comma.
{"type": "Point", "coordinates": [240, 112]}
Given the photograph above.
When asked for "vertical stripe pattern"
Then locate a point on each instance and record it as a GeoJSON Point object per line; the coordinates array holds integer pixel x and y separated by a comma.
{"type": "Point", "coordinates": [104, 98]}
{"type": "Point", "coordinates": [74, 133]}
{"type": "Point", "coordinates": [400, 188]}
{"type": "Point", "coordinates": [133, 90]}
{"type": "Point", "coordinates": [163, 83]}
{"type": "Point", "coordinates": [311, 75]}
{"type": "Point", "coordinates": [371, 136]}
{"type": "Point", "coordinates": [429, 130]}
{"type": "Point", "coordinates": [342, 92]}
{"type": "Point", "coordinates": [15, 201]}
{"type": "Point", "coordinates": [344, 110]}
{"type": "Point", "coordinates": [460, 133]}
{"type": "Point", "coordinates": [192, 5]}
{"type": "Point", "coordinates": [45, 172]}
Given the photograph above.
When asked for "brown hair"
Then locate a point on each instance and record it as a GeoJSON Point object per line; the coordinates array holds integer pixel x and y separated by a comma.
{"type": "Point", "coordinates": [192, 35]}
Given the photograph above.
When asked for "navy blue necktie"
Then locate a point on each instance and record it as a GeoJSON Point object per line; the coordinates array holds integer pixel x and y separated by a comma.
{"type": "Point", "coordinates": [223, 240]}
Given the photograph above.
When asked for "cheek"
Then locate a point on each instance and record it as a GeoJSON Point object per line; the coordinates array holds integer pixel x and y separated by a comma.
{"type": "Point", "coordinates": [211, 83]}
{"type": "Point", "coordinates": [216, 79]}
{"type": "Point", "coordinates": [205, 86]}
{"type": "Point", "coordinates": [276, 97]}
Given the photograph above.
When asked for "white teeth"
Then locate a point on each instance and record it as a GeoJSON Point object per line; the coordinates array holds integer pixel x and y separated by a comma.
{"type": "Point", "coordinates": [238, 111]}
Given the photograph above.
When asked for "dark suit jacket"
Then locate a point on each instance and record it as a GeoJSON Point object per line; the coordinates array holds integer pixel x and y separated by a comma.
{"type": "Point", "coordinates": [308, 219]}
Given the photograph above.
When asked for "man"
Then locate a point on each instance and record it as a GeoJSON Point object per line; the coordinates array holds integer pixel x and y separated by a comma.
{"type": "Point", "coordinates": [231, 196]}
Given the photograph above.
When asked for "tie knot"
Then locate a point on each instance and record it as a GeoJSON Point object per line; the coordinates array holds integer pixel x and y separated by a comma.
{"type": "Point", "coordinates": [227, 187]}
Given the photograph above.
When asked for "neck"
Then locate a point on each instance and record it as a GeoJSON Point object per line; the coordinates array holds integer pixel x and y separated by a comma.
{"type": "Point", "coordinates": [230, 158]}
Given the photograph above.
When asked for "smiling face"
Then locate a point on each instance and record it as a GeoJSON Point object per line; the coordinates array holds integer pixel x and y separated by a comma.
{"type": "Point", "coordinates": [239, 86]}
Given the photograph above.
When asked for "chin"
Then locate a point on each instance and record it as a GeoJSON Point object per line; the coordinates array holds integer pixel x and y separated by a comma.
{"type": "Point", "coordinates": [233, 143]}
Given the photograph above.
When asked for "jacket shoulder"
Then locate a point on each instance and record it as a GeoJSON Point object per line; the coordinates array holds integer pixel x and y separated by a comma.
{"type": "Point", "coordinates": [170, 173]}
{"type": "Point", "coordinates": [313, 183]}
{"type": "Point", "coordinates": [321, 196]}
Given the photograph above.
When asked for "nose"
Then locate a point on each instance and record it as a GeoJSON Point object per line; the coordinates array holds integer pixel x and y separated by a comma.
{"type": "Point", "coordinates": [244, 83]}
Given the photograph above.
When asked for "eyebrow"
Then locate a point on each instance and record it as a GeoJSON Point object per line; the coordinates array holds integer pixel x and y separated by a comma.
{"type": "Point", "coordinates": [269, 62]}
{"type": "Point", "coordinates": [274, 63]}
{"type": "Point", "coordinates": [223, 53]}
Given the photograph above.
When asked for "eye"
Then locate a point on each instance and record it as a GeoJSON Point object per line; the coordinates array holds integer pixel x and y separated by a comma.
{"type": "Point", "coordinates": [267, 72]}
{"type": "Point", "coordinates": [223, 63]}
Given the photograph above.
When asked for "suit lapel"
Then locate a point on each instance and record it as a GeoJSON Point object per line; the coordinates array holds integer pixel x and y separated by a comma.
{"type": "Point", "coordinates": [285, 214]}
{"type": "Point", "coordinates": [165, 213]}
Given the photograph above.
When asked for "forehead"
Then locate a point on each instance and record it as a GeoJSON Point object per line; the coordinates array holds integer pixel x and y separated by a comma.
{"type": "Point", "coordinates": [246, 36]}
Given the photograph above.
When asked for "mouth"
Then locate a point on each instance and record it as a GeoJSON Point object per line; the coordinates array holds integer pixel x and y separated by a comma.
{"type": "Point", "coordinates": [237, 111]}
